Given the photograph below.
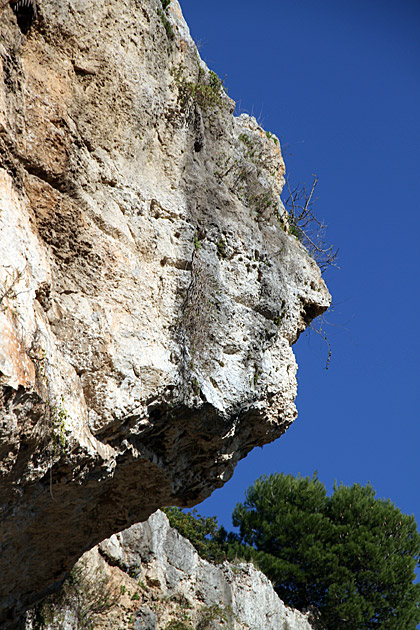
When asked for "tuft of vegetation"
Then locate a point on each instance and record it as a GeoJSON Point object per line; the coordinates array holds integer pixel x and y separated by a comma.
{"type": "Point", "coordinates": [165, 21]}
{"type": "Point", "coordinates": [246, 140]}
{"type": "Point", "coordinates": [134, 571]}
{"type": "Point", "coordinates": [59, 418]}
{"type": "Point", "coordinates": [272, 137]}
{"type": "Point", "coordinates": [206, 92]}
{"type": "Point", "coordinates": [278, 319]}
{"type": "Point", "coordinates": [195, 386]}
{"type": "Point", "coordinates": [197, 244]}
{"type": "Point", "coordinates": [221, 248]}
{"type": "Point", "coordinates": [208, 615]}
{"type": "Point", "coordinates": [177, 624]}
{"type": "Point", "coordinates": [215, 83]}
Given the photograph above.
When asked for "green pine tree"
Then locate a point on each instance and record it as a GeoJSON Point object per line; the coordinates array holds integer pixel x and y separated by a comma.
{"type": "Point", "coordinates": [350, 556]}
{"type": "Point", "coordinates": [202, 532]}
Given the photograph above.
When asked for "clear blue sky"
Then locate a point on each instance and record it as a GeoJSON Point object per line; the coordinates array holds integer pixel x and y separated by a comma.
{"type": "Point", "coordinates": [339, 83]}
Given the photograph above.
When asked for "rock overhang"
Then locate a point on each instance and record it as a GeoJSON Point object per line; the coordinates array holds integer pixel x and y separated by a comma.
{"type": "Point", "coordinates": [153, 289]}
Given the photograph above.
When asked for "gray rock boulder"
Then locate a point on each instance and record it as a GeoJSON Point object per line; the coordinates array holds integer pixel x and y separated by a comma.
{"type": "Point", "coordinates": [235, 595]}
{"type": "Point", "coordinates": [153, 579]}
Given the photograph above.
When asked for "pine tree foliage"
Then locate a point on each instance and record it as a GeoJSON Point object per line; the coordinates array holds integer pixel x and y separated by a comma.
{"type": "Point", "coordinates": [202, 532]}
{"type": "Point", "coordinates": [350, 556]}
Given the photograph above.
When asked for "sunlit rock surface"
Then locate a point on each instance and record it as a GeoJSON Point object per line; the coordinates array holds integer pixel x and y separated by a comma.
{"type": "Point", "coordinates": [152, 577]}
{"type": "Point", "coordinates": [149, 289]}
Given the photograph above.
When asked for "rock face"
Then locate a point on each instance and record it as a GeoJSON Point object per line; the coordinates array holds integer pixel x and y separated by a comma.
{"type": "Point", "coordinates": [149, 289]}
{"type": "Point", "coordinates": [154, 578]}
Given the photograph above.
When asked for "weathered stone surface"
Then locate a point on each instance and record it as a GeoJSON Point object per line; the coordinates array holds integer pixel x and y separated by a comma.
{"type": "Point", "coordinates": [157, 578]}
{"type": "Point", "coordinates": [148, 293]}
{"type": "Point", "coordinates": [240, 593]}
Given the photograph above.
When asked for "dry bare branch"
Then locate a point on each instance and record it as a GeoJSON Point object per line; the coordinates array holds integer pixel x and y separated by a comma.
{"type": "Point", "coordinates": [306, 226]}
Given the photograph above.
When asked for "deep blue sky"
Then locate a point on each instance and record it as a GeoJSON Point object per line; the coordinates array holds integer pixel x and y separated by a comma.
{"type": "Point", "coordinates": [339, 83]}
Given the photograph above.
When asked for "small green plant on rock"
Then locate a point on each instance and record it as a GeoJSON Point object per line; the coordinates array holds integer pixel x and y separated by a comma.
{"type": "Point", "coordinates": [215, 83]}
{"type": "Point", "coordinates": [206, 92]}
{"type": "Point", "coordinates": [134, 571]}
{"type": "Point", "coordinates": [252, 153]}
{"type": "Point", "coordinates": [221, 248]}
{"type": "Point", "coordinates": [165, 21]}
{"type": "Point", "coordinates": [270, 136]}
{"type": "Point", "coordinates": [196, 386]}
{"type": "Point", "coordinates": [295, 230]}
{"type": "Point", "coordinates": [177, 624]}
{"type": "Point", "coordinates": [245, 139]}
{"type": "Point", "coordinates": [59, 418]}
{"type": "Point", "coordinates": [224, 616]}
{"type": "Point", "coordinates": [278, 319]}
{"type": "Point", "coordinates": [180, 600]}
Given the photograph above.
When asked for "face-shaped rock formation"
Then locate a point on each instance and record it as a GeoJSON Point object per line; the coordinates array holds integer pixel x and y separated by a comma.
{"type": "Point", "coordinates": [149, 289]}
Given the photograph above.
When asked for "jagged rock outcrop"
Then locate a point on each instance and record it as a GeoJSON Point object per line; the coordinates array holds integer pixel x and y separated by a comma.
{"type": "Point", "coordinates": [149, 289]}
{"type": "Point", "coordinates": [152, 577]}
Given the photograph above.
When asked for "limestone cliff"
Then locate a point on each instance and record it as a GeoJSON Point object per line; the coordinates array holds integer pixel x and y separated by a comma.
{"type": "Point", "coordinates": [149, 577]}
{"type": "Point", "coordinates": [149, 289]}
